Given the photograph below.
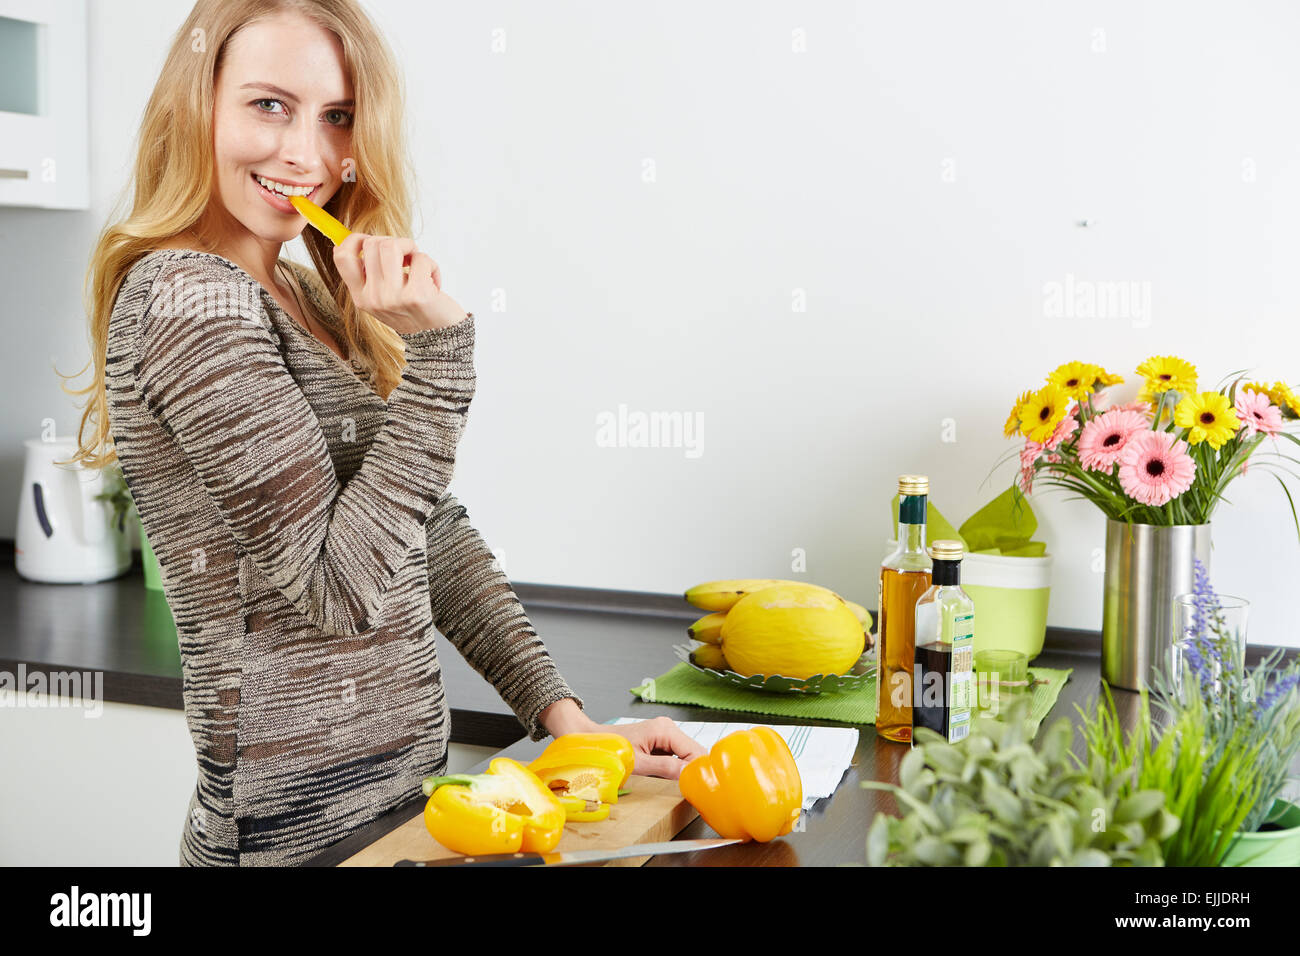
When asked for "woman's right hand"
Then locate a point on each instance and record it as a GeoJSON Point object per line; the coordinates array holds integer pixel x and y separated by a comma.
{"type": "Point", "coordinates": [405, 303]}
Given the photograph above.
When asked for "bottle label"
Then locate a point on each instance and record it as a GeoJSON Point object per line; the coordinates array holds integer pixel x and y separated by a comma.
{"type": "Point", "coordinates": [962, 679]}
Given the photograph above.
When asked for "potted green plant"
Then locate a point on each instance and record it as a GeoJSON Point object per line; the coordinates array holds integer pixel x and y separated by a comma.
{"type": "Point", "coordinates": [1258, 709]}
{"type": "Point", "coordinates": [117, 494]}
{"type": "Point", "coordinates": [1223, 758]}
{"type": "Point", "coordinates": [994, 799]}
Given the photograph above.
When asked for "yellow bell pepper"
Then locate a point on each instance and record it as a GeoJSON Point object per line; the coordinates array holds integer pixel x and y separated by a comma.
{"type": "Point", "coordinates": [586, 768]}
{"type": "Point", "coordinates": [506, 810]}
{"type": "Point", "coordinates": [747, 787]}
{"type": "Point", "coordinates": [588, 773]}
{"type": "Point", "coordinates": [580, 743]}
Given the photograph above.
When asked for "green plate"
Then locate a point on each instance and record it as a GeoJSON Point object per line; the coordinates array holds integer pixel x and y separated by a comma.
{"type": "Point", "coordinates": [855, 679]}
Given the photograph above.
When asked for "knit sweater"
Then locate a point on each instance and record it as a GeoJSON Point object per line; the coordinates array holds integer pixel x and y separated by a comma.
{"type": "Point", "coordinates": [308, 550]}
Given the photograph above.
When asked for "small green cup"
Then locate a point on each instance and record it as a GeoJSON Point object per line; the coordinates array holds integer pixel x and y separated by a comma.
{"type": "Point", "coordinates": [999, 676]}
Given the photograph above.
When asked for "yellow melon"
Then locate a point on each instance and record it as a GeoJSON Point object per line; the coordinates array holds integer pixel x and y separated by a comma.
{"type": "Point", "coordinates": [795, 630]}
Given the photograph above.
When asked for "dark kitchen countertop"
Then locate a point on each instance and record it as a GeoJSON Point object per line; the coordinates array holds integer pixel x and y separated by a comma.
{"type": "Point", "coordinates": [603, 641]}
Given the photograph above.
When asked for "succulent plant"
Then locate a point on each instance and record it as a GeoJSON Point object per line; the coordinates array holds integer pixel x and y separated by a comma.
{"type": "Point", "coordinates": [994, 799]}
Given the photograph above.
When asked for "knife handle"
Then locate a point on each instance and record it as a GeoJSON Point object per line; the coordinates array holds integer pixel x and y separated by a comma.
{"type": "Point", "coordinates": [490, 859]}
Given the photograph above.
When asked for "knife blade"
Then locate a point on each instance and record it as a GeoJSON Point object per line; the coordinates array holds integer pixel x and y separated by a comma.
{"type": "Point", "coordinates": [573, 856]}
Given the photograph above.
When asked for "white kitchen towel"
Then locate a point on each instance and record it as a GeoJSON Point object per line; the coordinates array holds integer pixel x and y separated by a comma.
{"type": "Point", "coordinates": [822, 754]}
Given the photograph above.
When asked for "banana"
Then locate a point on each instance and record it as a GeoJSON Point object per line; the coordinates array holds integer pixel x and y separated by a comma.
{"type": "Point", "coordinates": [710, 656]}
{"type": "Point", "coordinates": [708, 628]}
{"type": "Point", "coordinates": [863, 614]}
{"type": "Point", "coordinates": [721, 595]}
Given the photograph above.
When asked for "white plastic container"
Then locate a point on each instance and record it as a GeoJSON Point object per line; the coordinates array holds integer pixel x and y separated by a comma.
{"type": "Point", "coordinates": [1011, 597]}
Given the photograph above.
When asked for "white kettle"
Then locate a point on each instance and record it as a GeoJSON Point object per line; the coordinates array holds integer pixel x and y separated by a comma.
{"type": "Point", "coordinates": [64, 535]}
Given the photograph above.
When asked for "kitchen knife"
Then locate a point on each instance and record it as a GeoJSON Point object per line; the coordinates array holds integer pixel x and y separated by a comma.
{"type": "Point", "coordinates": [573, 856]}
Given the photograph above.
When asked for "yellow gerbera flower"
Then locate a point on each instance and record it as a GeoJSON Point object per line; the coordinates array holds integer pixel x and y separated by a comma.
{"type": "Point", "coordinates": [1166, 373]}
{"type": "Point", "coordinates": [1013, 420]}
{"type": "Point", "coordinates": [1076, 378]}
{"type": "Point", "coordinates": [1260, 387]}
{"type": "Point", "coordinates": [1207, 417]}
{"type": "Point", "coordinates": [1105, 378]}
{"type": "Point", "coordinates": [1043, 411]}
{"type": "Point", "coordinates": [1284, 398]}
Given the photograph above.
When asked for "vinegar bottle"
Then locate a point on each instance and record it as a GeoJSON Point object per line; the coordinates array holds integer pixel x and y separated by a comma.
{"type": "Point", "coordinates": [945, 637]}
{"type": "Point", "coordinates": [904, 577]}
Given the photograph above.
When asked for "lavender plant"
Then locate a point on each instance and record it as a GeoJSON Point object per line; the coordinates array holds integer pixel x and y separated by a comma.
{"type": "Point", "coordinates": [1255, 710]}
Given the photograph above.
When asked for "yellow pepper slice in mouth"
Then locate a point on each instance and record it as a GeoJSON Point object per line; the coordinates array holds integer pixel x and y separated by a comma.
{"type": "Point", "coordinates": [334, 230]}
{"type": "Point", "coordinates": [506, 810]}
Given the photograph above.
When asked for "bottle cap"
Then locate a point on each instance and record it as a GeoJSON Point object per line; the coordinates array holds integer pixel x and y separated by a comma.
{"type": "Point", "coordinates": [913, 485]}
{"type": "Point", "coordinates": [945, 549]}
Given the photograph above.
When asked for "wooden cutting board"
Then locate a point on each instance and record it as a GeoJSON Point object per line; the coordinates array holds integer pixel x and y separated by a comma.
{"type": "Point", "coordinates": [652, 812]}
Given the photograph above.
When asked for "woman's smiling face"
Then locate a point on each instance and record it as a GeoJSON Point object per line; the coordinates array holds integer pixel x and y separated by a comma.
{"type": "Point", "coordinates": [283, 111]}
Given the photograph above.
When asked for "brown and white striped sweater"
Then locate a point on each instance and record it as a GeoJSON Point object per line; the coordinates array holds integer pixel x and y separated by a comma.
{"type": "Point", "coordinates": [308, 550]}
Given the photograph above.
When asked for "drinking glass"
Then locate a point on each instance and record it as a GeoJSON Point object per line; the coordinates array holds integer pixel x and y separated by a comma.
{"type": "Point", "coordinates": [1221, 628]}
{"type": "Point", "coordinates": [999, 673]}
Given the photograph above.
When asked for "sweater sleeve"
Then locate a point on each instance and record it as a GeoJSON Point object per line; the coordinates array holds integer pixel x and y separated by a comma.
{"type": "Point", "coordinates": [478, 611]}
{"type": "Point", "coordinates": [209, 370]}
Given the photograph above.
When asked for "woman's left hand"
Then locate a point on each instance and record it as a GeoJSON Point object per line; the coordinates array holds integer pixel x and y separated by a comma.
{"type": "Point", "coordinates": [662, 750]}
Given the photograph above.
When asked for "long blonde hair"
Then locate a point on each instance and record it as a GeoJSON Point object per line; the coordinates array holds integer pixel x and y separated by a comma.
{"type": "Point", "coordinates": [174, 178]}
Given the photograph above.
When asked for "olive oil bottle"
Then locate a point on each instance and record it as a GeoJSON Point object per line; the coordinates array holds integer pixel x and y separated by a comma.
{"type": "Point", "coordinates": [904, 577]}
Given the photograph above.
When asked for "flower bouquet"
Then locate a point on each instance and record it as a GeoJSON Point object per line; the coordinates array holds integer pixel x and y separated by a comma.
{"type": "Point", "coordinates": [1156, 467]}
{"type": "Point", "coordinates": [1163, 459]}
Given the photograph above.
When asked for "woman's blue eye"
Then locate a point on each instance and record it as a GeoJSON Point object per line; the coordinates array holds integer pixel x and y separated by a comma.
{"type": "Point", "coordinates": [344, 113]}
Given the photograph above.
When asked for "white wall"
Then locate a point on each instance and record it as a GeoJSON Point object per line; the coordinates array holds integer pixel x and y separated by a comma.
{"type": "Point", "coordinates": [111, 789]}
{"type": "Point", "coordinates": [916, 176]}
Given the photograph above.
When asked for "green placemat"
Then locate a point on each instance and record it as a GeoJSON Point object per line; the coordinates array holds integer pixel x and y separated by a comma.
{"type": "Point", "coordinates": [685, 685]}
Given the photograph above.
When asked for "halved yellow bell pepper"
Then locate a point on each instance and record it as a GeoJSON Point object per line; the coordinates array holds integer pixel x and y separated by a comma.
{"type": "Point", "coordinates": [747, 787]}
{"type": "Point", "coordinates": [506, 810]}
{"type": "Point", "coordinates": [586, 768]}
{"type": "Point", "coordinates": [589, 773]}
{"type": "Point", "coordinates": [576, 744]}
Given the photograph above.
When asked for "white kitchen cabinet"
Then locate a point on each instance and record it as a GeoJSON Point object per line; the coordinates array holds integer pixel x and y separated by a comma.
{"type": "Point", "coordinates": [44, 154]}
{"type": "Point", "coordinates": [110, 790]}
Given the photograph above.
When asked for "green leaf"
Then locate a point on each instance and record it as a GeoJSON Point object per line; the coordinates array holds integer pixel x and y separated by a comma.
{"type": "Point", "coordinates": [910, 767]}
{"type": "Point", "coordinates": [932, 851]}
{"type": "Point", "coordinates": [1004, 804]}
{"type": "Point", "coordinates": [1140, 806]}
{"type": "Point", "coordinates": [945, 758]}
{"type": "Point", "coordinates": [878, 839]}
{"type": "Point", "coordinates": [979, 852]}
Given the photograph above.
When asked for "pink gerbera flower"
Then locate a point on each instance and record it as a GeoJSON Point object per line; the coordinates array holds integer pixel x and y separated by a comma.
{"type": "Point", "coordinates": [1154, 467]}
{"type": "Point", "coordinates": [1104, 437]}
{"type": "Point", "coordinates": [1066, 427]}
{"type": "Point", "coordinates": [1028, 455]}
{"type": "Point", "coordinates": [1257, 413]}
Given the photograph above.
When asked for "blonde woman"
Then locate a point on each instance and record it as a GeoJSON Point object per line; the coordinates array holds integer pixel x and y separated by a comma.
{"type": "Point", "coordinates": [288, 436]}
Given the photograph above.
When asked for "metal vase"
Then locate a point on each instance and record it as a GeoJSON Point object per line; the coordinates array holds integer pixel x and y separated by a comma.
{"type": "Point", "coordinates": [1147, 566]}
